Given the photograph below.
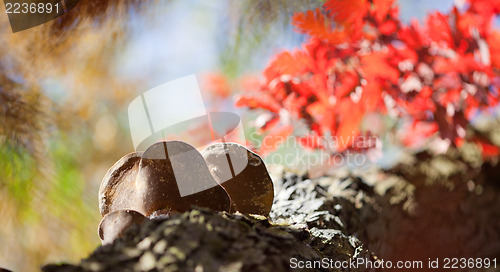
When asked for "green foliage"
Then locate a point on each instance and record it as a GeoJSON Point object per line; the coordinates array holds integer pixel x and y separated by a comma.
{"type": "Point", "coordinates": [17, 175]}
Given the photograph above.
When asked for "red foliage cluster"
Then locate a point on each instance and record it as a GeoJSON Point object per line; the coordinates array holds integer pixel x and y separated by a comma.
{"type": "Point", "coordinates": [361, 58]}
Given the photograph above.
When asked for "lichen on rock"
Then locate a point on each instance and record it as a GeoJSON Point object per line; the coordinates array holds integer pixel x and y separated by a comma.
{"type": "Point", "coordinates": [201, 240]}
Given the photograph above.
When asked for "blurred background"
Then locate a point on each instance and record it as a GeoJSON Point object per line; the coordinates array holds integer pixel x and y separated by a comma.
{"type": "Point", "coordinates": [65, 88]}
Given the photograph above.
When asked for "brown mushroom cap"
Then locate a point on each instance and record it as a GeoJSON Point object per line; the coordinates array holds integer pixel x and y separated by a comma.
{"type": "Point", "coordinates": [244, 176]}
{"type": "Point", "coordinates": [115, 223]}
{"type": "Point", "coordinates": [117, 190]}
{"type": "Point", "coordinates": [174, 176]}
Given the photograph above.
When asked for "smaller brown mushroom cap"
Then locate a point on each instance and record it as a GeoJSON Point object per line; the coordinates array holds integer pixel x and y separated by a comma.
{"type": "Point", "coordinates": [244, 176]}
{"type": "Point", "coordinates": [117, 190]}
{"type": "Point", "coordinates": [115, 223]}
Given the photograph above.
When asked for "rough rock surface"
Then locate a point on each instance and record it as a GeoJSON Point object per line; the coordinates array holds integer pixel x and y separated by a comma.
{"type": "Point", "coordinates": [200, 240]}
{"type": "Point", "coordinates": [429, 206]}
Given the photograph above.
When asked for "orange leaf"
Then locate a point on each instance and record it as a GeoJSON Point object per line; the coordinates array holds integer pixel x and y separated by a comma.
{"type": "Point", "coordinates": [382, 7]}
{"type": "Point", "coordinates": [313, 23]}
{"type": "Point", "coordinates": [371, 96]}
{"type": "Point", "coordinates": [348, 128]}
{"type": "Point", "coordinates": [262, 100]}
{"type": "Point", "coordinates": [375, 66]}
{"type": "Point", "coordinates": [287, 63]}
{"type": "Point", "coordinates": [347, 83]}
{"type": "Point", "coordinates": [310, 22]}
{"type": "Point", "coordinates": [349, 16]}
{"type": "Point", "coordinates": [323, 114]}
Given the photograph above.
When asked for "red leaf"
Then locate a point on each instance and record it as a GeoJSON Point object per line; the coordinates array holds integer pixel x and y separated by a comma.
{"type": "Point", "coordinates": [468, 22]}
{"type": "Point", "coordinates": [485, 7]}
{"type": "Point", "coordinates": [274, 122]}
{"type": "Point", "coordinates": [388, 27]}
{"type": "Point", "coordinates": [287, 63]}
{"type": "Point", "coordinates": [439, 76]}
{"type": "Point", "coordinates": [439, 29]}
{"type": "Point", "coordinates": [318, 86]}
{"type": "Point", "coordinates": [375, 65]}
{"type": "Point", "coordinates": [371, 96]}
{"type": "Point", "coordinates": [348, 129]}
{"type": "Point", "coordinates": [324, 114]}
{"type": "Point", "coordinates": [449, 97]}
{"type": "Point", "coordinates": [382, 7]}
{"type": "Point", "coordinates": [460, 63]}
{"type": "Point", "coordinates": [313, 23]}
{"type": "Point", "coordinates": [261, 100]}
{"type": "Point", "coordinates": [310, 22]}
{"type": "Point", "coordinates": [406, 54]}
{"type": "Point", "coordinates": [294, 104]}
{"type": "Point", "coordinates": [349, 15]}
{"type": "Point", "coordinates": [426, 92]}
{"type": "Point", "coordinates": [413, 36]}
{"type": "Point", "coordinates": [347, 11]}
{"type": "Point", "coordinates": [459, 142]}
{"type": "Point", "coordinates": [488, 150]}
{"type": "Point", "coordinates": [471, 108]}
{"type": "Point", "coordinates": [348, 81]}
{"type": "Point", "coordinates": [494, 46]}
{"type": "Point", "coordinates": [421, 106]}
